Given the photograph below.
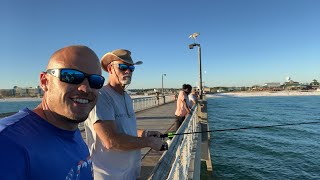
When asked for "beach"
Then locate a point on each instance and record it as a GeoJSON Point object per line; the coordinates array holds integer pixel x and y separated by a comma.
{"type": "Point", "coordinates": [265, 93]}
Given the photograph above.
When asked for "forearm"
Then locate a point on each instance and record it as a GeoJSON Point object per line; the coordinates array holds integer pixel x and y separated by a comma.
{"type": "Point", "coordinates": [188, 109]}
{"type": "Point", "coordinates": [186, 106]}
{"type": "Point", "coordinates": [111, 139]}
{"type": "Point", "coordinates": [124, 142]}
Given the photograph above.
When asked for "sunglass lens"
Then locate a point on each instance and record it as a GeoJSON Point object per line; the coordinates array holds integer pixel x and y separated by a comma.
{"type": "Point", "coordinates": [124, 67]}
{"type": "Point", "coordinates": [71, 76]}
{"type": "Point", "coordinates": [96, 81]}
{"type": "Point", "coordinates": [131, 68]}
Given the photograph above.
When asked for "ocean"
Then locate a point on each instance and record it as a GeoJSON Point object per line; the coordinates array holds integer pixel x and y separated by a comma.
{"type": "Point", "coordinates": [286, 152]}
{"type": "Point", "coordinates": [15, 106]}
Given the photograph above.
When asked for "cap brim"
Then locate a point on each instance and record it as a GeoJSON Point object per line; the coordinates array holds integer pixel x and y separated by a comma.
{"type": "Point", "coordinates": [138, 63]}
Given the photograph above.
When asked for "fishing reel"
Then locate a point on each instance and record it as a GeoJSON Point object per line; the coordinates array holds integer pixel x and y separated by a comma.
{"type": "Point", "coordinates": [165, 145]}
{"type": "Point", "coordinates": [169, 135]}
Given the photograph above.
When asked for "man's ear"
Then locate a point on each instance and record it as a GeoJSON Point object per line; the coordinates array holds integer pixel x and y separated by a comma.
{"type": "Point", "coordinates": [109, 68]}
{"type": "Point", "coordinates": [43, 81]}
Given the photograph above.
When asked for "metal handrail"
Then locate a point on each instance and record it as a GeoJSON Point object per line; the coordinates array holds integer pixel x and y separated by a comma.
{"type": "Point", "coordinates": [175, 162]}
{"type": "Point", "coordinates": [140, 104]}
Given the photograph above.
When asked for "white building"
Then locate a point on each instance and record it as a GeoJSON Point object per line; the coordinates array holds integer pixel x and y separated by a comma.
{"type": "Point", "coordinates": [272, 85]}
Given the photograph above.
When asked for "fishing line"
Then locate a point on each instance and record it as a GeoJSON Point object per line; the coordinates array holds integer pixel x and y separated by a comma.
{"type": "Point", "coordinates": [170, 135]}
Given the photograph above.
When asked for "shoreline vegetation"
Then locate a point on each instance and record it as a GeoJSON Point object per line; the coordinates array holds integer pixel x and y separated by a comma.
{"type": "Point", "coordinates": [266, 93]}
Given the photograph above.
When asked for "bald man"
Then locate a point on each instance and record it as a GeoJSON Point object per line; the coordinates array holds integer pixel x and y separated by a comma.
{"type": "Point", "coordinates": [45, 143]}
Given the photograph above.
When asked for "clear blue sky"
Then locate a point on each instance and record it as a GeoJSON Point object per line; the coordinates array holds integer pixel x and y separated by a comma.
{"type": "Point", "coordinates": [244, 42]}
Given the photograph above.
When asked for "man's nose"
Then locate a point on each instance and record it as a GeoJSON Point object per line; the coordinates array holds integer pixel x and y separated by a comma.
{"type": "Point", "coordinates": [85, 86]}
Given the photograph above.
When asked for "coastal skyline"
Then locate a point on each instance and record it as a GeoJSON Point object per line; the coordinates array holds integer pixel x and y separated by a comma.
{"type": "Point", "coordinates": [243, 43]}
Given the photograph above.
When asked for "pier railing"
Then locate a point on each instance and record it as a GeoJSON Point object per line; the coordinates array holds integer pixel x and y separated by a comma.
{"type": "Point", "coordinates": [180, 158]}
{"type": "Point", "coordinates": [143, 103]}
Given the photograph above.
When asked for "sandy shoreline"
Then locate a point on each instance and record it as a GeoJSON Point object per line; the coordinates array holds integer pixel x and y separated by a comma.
{"type": "Point", "coordinates": [276, 93]}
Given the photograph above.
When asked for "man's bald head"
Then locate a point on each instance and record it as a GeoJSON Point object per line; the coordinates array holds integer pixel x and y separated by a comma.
{"type": "Point", "coordinates": [70, 100]}
{"type": "Point", "coordinates": [66, 56]}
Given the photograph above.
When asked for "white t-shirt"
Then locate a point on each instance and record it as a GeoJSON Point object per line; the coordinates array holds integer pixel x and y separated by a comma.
{"type": "Point", "coordinates": [112, 164]}
{"type": "Point", "coordinates": [192, 98]}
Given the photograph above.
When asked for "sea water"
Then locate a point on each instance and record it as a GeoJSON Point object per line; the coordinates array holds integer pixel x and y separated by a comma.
{"type": "Point", "coordinates": [286, 152]}
{"type": "Point", "coordinates": [15, 106]}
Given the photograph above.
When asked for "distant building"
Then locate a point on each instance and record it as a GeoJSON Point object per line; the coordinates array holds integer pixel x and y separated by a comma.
{"type": "Point", "coordinates": [291, 85]}
{"type": "Point", "coordinates": [6, 92]}
{"type": "Point", "coordinates": [315, 84]}
{"type": "Point", "coordinates": [220, 90]}
{"type": "Point", "coordinates": [22, 92]}
{"type": "Point", "coordinates": [272, 85]}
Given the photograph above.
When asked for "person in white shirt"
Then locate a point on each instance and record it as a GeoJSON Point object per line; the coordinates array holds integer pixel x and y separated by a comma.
{"type": "Point", "coordinates": [111, 128]}
{"type": "Point", "coordinates": [193, 99]}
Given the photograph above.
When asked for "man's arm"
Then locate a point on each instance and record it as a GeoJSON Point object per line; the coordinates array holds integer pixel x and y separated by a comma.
{"type": "Point", "coordinates": [111, 139]}
{"type": "Point", "coordinates": [187, 106]}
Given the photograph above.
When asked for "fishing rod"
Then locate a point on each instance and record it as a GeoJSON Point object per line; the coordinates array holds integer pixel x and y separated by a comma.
{"type": "Point", "coordinates": [171, 134]}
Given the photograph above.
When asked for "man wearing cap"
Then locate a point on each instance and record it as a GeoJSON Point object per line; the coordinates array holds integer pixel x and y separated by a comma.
{"type": "Point", "coordinates": [111, 129]}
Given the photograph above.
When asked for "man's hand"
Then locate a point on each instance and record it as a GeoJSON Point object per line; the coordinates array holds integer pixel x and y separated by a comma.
{"type": "Point", "coordinates": [147, 133]}
{"type": "Point", "coordinates": [155, 143]}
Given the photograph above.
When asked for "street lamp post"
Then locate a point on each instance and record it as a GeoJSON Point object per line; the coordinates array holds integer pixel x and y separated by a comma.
{"type": "Point", "coordinates": [194, 36]}
{"type": "Point", "coordinates": [162, 84]}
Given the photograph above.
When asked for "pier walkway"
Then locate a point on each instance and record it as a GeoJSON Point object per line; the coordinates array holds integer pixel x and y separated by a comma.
{"type": "Point", "coordinates": [160, 118]}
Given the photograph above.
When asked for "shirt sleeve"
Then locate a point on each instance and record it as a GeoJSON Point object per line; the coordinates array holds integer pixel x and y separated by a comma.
{"type": "Point", "coordinates": [103, 110]}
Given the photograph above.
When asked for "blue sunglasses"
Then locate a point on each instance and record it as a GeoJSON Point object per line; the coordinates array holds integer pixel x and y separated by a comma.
{"type": "Point", "coordinates": [124, 67]}
{"type": "Point", "coordinates": [73, 76]}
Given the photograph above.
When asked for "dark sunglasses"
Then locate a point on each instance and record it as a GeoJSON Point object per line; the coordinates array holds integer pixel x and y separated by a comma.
{"type": "Point", "coordinates": [73, 76]}
{"type": "Point", "coordinates": [124, 67]}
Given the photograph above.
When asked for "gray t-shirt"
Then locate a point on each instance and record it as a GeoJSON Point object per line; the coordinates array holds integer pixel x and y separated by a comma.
{"type": "Point", "coordinates": [112, 164]}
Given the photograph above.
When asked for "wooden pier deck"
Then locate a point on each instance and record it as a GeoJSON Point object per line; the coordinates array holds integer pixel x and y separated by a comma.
{"type": "Point", "coordinates": [160, 118]}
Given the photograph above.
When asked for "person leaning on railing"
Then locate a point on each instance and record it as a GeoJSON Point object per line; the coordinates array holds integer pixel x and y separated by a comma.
{"type": "Point", "coordinates": [183, 108]}
{"type": "Point", "coordinates": [193, 98]}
